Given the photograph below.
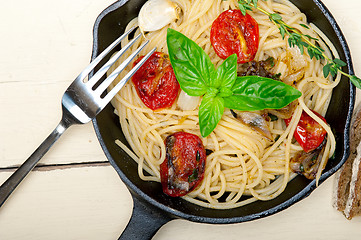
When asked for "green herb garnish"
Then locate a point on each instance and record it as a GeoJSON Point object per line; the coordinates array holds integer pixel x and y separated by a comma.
{"type": "Point", "coordinates": [272, 117]}
{"type": "Point", "coordinates": [302, 168]}
{"type": "Point", "coordinates": [302, 41]}
{"type": "Point", "coordinates": [194, 176]}
{"type": "Point", "coordinates": [222, 88]}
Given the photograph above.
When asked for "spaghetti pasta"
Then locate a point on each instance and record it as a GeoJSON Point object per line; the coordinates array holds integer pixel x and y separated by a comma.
{"type": "Point", "coordinates": [243, 166]}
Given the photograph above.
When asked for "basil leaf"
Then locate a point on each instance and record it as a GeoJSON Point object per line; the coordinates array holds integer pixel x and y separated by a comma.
{"type": "Point", "coordinates": [210, 113]}
{"type": "Point", "coordinates": [192, 66]}
{"type": "Point", "coordinates": [226, 73]}
{"type": "Point", "coordinates": [225, 92]}
{"type": "Point", "coordinates": [251, 93]}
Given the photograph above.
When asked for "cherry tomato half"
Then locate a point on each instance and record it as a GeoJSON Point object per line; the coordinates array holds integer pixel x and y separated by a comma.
{"type": "Point", "coordinates": [155, 82]}
{"type": "Point", "coordinates": [309, 133]}
{"type": "Point", "coordinates": [232, 32]}
{"type": "Point", "coordinates": [183, 167]}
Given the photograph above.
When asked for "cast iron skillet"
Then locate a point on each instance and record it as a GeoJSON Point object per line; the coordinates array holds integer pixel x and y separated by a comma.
{"type": "Point", "coordinates": [152, 208]}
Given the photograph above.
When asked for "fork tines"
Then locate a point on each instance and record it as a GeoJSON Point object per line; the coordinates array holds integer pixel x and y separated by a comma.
{"type": "Point", "coordinates": [99, 90]}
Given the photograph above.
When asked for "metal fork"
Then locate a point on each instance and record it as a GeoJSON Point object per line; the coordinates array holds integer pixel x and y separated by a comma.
{"type": "Point", "coordinates": [81, 102]}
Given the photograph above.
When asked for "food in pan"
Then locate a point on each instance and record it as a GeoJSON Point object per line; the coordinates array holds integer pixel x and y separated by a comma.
{"type": "Point", "coordinates": [229, 109]}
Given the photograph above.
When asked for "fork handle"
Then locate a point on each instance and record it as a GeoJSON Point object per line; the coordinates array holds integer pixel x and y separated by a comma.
{"type": "Point", "coordinates": [13, 181]}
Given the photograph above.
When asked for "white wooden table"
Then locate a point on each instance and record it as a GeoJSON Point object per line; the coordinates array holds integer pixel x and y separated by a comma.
{"type": "Point", "coordinates": [76, 194]}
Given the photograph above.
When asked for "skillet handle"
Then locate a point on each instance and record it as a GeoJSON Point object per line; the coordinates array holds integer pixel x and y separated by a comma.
{"type": "Point", "coordinates": [144, 222]}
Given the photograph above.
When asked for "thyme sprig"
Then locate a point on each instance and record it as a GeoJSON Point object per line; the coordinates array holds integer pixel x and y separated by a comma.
{"type": "Point", "coordinates": [302, 41]}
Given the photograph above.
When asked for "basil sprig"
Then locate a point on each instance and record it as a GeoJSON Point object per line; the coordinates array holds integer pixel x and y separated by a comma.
{"type": "Point", "coordinates": [222, 88]}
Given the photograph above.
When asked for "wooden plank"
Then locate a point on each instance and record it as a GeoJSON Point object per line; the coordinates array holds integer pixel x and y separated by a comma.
{"type": "Point", "coordinates": [76, 203]}
{"type": "Point", "coordinates": [92, 203]}
{"type": "Point", "coordinates": [45, 45]}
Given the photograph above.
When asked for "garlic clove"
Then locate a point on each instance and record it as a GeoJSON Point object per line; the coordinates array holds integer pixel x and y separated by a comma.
{"type": "Point", "coordinates": [156, 14]}
{"type": "Point", "coordinates": [186, 102]}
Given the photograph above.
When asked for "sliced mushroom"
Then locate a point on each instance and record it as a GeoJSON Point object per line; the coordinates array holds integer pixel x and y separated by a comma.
{"type": "Point", "coordinates": [254, 120]}
{"type": "Point", "coordinates": [285, 112]}
{"type": "Point", "coordinates": [307, 164]}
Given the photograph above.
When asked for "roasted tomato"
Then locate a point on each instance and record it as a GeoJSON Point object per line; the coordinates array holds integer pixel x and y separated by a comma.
{"type": "Point", "coordinates": [183, 167]}
{"type": "Point", "coordinates": [155, 82]}
{"type": "Point", "coordinates": [309, 133]}
{"type": "Point", "coordinates": [232, 32]}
